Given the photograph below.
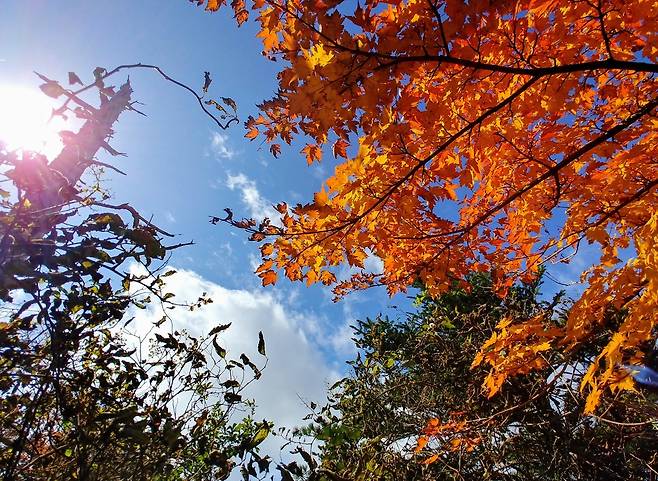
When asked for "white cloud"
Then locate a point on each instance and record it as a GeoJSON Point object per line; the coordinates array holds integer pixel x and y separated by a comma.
{"type": "Point", "coordinates": [170, 217]}
{"type": "Point", "coordinates": [222, 256]}
{"type": "Point", "coordinates": [341, 340]}
{"type": "Point", "coordinates": [373, 264]}
{"type": "Point", "coordinates": [219, 144]}
{"type": "Point", "coordinates": [319, 171]}
{"type": "Point", "coordinates": [225, 251]}
{"type": "Point", "coordinates": [259, 207]}
{"type": "Point", "coordinates": [254, 261]}
{"type": "Point", "coordinates": [296, 371]}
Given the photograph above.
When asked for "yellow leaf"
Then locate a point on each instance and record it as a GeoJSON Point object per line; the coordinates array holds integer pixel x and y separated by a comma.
{"type": "Point", "coordinates": [318, 56]}
{"type": "Point", "coordinates": [544, 346]}
{"type": "Point", "coordinates": [592, 400]}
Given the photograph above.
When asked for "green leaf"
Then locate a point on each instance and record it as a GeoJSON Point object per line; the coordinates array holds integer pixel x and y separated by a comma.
{"type": "Point", "coordinates": [448, 325]}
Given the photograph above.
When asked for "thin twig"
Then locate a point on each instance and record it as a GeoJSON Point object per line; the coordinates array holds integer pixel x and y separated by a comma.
{"type": "Point", "coordinates": [166, 77]}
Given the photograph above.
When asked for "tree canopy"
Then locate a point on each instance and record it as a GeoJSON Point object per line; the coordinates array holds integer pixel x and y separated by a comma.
{"type": "Point", "coordinates": [473, 137]}
{"type": "Point", "coordinates": [417, 372]}
{"type": "Point", "coordinates": [472, 144]}
{"type": "Point", "coordinates": [84, 394]}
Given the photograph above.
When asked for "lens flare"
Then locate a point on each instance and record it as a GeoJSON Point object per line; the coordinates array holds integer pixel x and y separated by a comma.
{"type": "Point", "coordinates": [25, 121]}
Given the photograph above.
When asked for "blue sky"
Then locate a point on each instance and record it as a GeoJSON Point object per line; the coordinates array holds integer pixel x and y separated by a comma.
{"type": "Point", "coordinates": [181, 170]}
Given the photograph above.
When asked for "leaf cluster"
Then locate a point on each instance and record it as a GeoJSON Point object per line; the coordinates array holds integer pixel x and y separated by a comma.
{"type": "Point", "coordinates": [472, 136]}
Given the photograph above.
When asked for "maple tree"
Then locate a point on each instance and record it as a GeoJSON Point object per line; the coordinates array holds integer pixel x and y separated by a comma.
{"type": "Point", "coordinates": [470, 137]}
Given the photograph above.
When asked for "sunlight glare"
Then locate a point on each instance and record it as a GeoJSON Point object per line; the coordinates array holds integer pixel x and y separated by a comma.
{"type": "Point", "coordinates": [24, 121]}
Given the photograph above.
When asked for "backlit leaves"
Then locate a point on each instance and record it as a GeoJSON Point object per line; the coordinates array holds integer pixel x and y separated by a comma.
{"type": "Point", "coordinates": [481, 136]}
{"type": "Point", "coordinates": [85, 394]}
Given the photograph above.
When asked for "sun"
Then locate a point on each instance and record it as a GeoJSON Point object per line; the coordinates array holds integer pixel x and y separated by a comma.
{"type": "Point", "coordinates": [25, 121]}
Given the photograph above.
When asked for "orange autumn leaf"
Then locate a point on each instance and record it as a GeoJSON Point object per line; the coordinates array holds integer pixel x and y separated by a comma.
{"type": "Point", "coordinates": [275, 150]}
{"type": "Point", "coordinates": [421, 443]}
{"type": "Point", "coordinates": [339, 148]}
{"type": "Point", "coordinates": [252, 134]}
{"type": "Point", "coordinates": [268, 277]}
{"type": "Point", "coordinates": [321, 198]}
{"type": "Point", "coordinates": [270, 39]}
{"type": "Point", "coordinates": [313, 153]}
{"type": "Point", "coordinates": [431, 459]}
{"type": "Point", "coordinates": [211, 5]}
{"type": "Point", "coordinates": [266, 249]}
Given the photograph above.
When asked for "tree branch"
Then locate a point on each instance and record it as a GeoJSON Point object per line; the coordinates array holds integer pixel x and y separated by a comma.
{"type": "Point", "coordinates": [169, 79]}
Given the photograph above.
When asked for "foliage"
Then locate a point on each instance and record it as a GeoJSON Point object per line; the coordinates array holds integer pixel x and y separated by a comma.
{"type": "Point", "coordinates": [418, 373]}
{"type": "Point", "coordinates": [472, 136]}
{"type": "Point", "coordinates": [84, 394]}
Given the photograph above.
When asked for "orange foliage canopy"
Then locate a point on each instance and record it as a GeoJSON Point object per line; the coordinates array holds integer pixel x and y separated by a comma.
{"type": "Point", "coordinates": [473, 136]}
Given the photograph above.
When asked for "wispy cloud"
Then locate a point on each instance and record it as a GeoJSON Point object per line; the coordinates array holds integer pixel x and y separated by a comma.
{"type": "Point", "coordinates": [319, 171]}
{"type": "Point", "coordinates": [170, 217]}
{"type": "Point", "coordinates": [259, 207]}
{"type": "Point", "coordinates": [341, 339]}
{"type": "Point", "coordinates": [220, 146]}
